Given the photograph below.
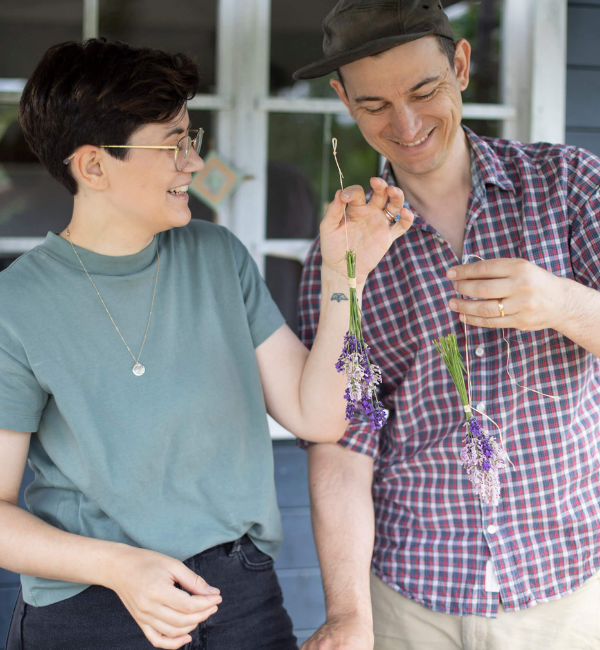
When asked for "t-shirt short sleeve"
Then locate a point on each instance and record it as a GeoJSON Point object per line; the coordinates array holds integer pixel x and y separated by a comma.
{"type": "Point", "coordinates": [22, 399]}
{"type": "Point", "coordinates": [264, 317]}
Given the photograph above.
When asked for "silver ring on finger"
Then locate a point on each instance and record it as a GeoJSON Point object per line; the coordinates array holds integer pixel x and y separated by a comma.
{"type": "Point", "coordinates": [390, 216]}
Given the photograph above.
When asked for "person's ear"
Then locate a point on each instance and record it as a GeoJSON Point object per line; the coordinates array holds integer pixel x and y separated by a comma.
{"type": "Point", "coordinates": [338, 86]}
{"type": "Point", "coordinates": [88, 168]}
{"type": "Point", "coordinates": [462, 62]}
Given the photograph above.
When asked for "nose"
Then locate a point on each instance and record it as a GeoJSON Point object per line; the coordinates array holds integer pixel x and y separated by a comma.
{"type": "Point", "coordinates": [194, 163]}
{"type": "Point", "coordinates": [406, 123]}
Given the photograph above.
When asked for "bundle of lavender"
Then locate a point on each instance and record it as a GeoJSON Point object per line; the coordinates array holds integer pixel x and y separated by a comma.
{"type": "Point", "coordinates": [482, 456]}
{"type": "Point", "coordinates": [363, 376]}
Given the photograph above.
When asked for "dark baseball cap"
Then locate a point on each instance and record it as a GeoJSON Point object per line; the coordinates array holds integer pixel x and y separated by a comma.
{"type": "Point", "coordinates": [355, 29]}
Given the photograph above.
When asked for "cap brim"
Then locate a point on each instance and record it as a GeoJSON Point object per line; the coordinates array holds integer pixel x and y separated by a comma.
{"type": "Point", "coordinates": [332, 63]}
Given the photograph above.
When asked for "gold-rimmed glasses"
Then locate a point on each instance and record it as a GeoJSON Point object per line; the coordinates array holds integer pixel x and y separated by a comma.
{"type": "Point", "coordinates": [181, 154]}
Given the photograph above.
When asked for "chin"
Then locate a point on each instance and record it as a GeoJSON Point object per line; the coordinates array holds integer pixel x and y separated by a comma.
{"type": "Point", "coordinates": [180, 219]}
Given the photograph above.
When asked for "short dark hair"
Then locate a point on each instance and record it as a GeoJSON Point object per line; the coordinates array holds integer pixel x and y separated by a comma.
{"type": "Point", "coordinates": [100, 92]}
{"type": "Point", "coordinates": [447, 47]}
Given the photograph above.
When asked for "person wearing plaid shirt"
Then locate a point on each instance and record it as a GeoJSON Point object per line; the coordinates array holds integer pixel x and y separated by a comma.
{"type": "Point", "coordinates": [448, 571]}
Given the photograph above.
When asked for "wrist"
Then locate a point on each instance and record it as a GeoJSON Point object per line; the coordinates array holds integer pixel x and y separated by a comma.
{"type": "Point", "coordinates": [561, 311]}
{"type": "Point", "coordinates": [353, 615]}
{"type": "Point", "coordinates": [113, 562]}
{"type": "Point", "coordinates": [335, 280]}
{"type": "Point", "coordinates": [358, 609]}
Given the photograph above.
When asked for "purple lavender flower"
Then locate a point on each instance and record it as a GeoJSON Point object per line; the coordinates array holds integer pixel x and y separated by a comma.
{"type": "Point", "coordinates": [483, 458]}
{"type": "Point", "coordinates": [362, 378]}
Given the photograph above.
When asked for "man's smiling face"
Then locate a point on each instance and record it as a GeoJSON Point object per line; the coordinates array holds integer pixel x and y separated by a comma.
{"type": "Point", "coordinates": [407, 103]}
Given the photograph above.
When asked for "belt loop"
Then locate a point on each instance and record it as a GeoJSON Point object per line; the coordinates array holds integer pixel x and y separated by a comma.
{"type": "Point", "coordinates": [235, 547]}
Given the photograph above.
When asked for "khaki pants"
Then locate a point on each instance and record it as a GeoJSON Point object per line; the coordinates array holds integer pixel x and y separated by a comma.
{"type": "Point", "coordinates": [571, 623]}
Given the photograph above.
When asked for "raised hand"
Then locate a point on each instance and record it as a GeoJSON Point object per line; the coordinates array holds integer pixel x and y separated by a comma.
{"type": "Point", "coordinates": [145, 583]}
{"type": "Point", "coordinates": [369, 231]}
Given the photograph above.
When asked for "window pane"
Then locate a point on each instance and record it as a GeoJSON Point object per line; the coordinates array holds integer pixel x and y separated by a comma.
{"type": "Point", "coordinates": [31, 201]}
{"type": "Point", "coordinates": [302, 180]}
{"type": "Point", "coordinates": [296, 41]}
{"type": "Point", "coordinates": [479, 22]}
{"type": "Point", "coordinates": [188, 27]}
{"type": "Point", "coordinates": [302, 176]}
{"type": "Point", "coordinates": [29, 27]}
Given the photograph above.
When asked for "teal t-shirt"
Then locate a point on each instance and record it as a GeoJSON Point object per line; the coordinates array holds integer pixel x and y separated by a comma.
{"type": "Point", "coordinates": [177, 460]}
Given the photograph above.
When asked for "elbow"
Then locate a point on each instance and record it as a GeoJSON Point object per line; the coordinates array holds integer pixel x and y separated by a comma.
{"type": "Point", "coordinates": [330, 434]}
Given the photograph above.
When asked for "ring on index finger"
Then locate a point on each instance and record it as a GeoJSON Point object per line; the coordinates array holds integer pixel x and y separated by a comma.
{"type": "Point", "coordinates": [390, 216]}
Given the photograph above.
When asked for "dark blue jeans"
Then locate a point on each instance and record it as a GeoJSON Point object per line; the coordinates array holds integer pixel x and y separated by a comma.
{"type": "Point", "coordinates": [251, 616]}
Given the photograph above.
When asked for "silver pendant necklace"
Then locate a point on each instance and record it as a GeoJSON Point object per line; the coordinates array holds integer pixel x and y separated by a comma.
{"type": "Point", "coordinates": [138, 369]}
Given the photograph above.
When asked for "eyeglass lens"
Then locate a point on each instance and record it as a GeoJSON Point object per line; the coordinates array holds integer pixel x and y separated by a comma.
{"type": "Point", "coordinates": [185, 148]}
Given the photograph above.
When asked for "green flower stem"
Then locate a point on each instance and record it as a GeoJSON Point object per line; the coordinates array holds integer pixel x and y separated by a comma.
{"type": "Point", "coordinates": [448, 349]}
{"type": "Point", "coordinates": [355, 326]}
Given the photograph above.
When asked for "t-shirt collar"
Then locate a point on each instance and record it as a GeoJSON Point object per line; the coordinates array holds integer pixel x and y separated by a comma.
{"type": "Point", "coordinates": [61, 249]}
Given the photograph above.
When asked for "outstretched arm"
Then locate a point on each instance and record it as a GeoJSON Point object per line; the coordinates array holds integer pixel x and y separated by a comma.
{"type": "Point", "coordinates": [303, 391]}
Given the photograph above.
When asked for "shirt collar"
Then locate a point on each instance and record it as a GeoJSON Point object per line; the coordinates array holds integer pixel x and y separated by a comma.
{"type": "Point", "coordinates": [486, 167]}
{"type": "Point", "coordinates": [97, 264]}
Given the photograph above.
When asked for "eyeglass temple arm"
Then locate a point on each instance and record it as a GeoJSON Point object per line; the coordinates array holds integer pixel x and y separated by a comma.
{"type": "Point", "coordinates": [198, 132]}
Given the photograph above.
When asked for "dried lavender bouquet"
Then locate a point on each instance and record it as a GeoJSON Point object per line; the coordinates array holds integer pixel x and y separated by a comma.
{"type": "Point", "coordinates": [482, 456]}
{"type": "Point", "coordinates": [363, 376]}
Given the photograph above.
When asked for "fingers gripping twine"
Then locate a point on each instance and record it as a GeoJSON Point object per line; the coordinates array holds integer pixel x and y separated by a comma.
{"type": "Point", "coordinates": [468, 408]}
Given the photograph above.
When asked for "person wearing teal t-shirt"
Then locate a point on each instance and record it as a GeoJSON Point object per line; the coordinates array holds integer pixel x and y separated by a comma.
{"type": "Point", "coordinates": [139, 356]}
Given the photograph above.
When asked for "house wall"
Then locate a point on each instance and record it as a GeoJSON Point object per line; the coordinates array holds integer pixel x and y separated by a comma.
{"type": "Point", "coordinates": [583, 75]}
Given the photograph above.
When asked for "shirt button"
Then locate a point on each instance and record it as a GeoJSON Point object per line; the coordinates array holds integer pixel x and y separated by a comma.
{"type": "Point", "coordinates": [479, 351]}
{"type": "Point", "coordinates": [492, 530]}
{"type": "Point", "coordinates": [481, 407]}
{"type": "Point", "coordinates": [440, 239]}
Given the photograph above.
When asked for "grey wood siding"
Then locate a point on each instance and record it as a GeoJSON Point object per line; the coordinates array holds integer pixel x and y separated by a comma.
{"type": "Point", "coordinates": [297, 564]}
{"type": "Point", "coordinates": [583, 75]}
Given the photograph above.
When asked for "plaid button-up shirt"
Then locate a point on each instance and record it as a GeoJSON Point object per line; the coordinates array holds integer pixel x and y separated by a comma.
{"type": "Point", "coordinates": [433, 537]}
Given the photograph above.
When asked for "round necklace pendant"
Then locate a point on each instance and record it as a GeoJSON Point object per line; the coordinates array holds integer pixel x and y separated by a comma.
{"type": "Point", "coordinates": [138, 370]}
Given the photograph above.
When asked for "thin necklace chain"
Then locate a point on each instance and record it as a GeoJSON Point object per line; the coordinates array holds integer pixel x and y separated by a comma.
{"type": "Point", "coordinates": [105, 307]}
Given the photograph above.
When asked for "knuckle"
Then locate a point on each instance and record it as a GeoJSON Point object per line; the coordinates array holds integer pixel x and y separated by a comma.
{"type": "Point", "coordinates": [526, 305]}
{"type": "Point", "coordinates": [144, 606]}
{"type": "Point", "coordinates": [487, 310]}
{"type": "Point", "coordinates": [188, 606]}
{"type": "Point", "coordinates": [484, 289]}
{"type": "Point", "coordinates": [521, 264]}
